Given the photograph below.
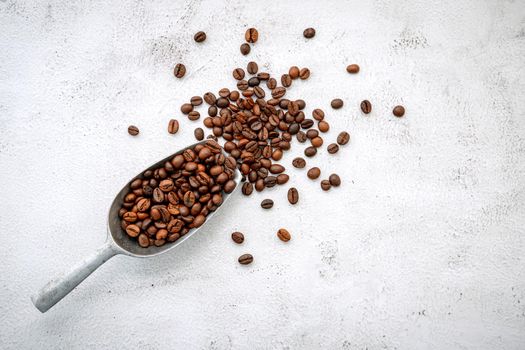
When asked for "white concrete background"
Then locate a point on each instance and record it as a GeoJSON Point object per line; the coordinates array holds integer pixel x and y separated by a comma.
{"type": "Point", "coordinates": [422, 247]}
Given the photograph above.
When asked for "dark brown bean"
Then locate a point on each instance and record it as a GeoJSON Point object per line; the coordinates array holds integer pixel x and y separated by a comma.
{"type": "Point", "coordinates": [199, 37]}
{"type": "Point", "coordinates": [313, 173]}
{"type": "Point", "coordinates": [199, 134]}
{"type": "Point", "coordinates": [173, 126]}
{"type": "Point", "coordinates": [399, 111]}
{"type": "Point", "coordinates": [332, 148]}
{"type": "Point", "coordinates": [194, 115]}
{"type": "Point", "coordinates": [318, 114]}
{"type": "Point", "coordinates": [245, 259]}
{"type": "Point", "coordinates": [238, 237]}
{"type": "Point", "coordinates": [186, 108]}
{"type": "Point", "coordinates": [301, 136]}
{"type": "Point", "coordinates": [133, 130]}
{"type": "Point", "coordinates": [309, 33]}
{"type": "Point", "coordinates": [366, 106]}
{"type": "Point", "coordinates": [334, 180]}
{"type": "Point", "coordinates": [179, 70]}
{"type": "Point", "coordinates": [266, 204]}
{"type": "Point", "coordinates": [252, 67]}
{"type": "Point", "coordinates": [210, 98]}
{"type": "Point", "coordinates": [304, 73]}
{"type": "Point", "coordinates": [352, 68]}
{"type": "Point", "coordinates": [247, 189]}
{"type": "Point", "coordinates": [281, 179]}
{"type": "Point", "coordinates": [251, 35]}
{"type": "Point", "coordinates": [343, 138]}
{"type": "Point", "coordinates": [245, 49]}
{"type": "Point", "coordinates": [293, 195]}
{"type": "Point", "coordinates": [286, 80]}
{"type": "Point", "coordinates": [299, 163]}
{"type": "Point", "coordinates": [310, 151]}
{"type": "Point", "coordinates": [325, 185]}
{"type": "Point", "coordinates": [336, 103]}
{"type": "Point", "coordinates": [276, 169]}
{"type": "Point", "coordinates": [284, 235]}
{"type": "Point", "coordinates": [143, 240]}
{"type": "Point", "coordinates": [238, 73]}
{"type": "Point", "coordinates": [196, 100]}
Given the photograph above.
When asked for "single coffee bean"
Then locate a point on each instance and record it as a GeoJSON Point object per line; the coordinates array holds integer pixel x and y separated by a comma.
{"type": "Point", "coordinates": [352, 68]}
{"type": "Point", "coordinates": [186, 108]}
{"type": "Point", "coordinates": [271, 83]}
{"type": "Point", "coordinates": [247, 189]}
{"type": "Point", "coordinates": [194, 115]}
{"type": "Point", "coordinates": [199, 134]}
{"type": "Point", "coordinates": [133, 130]}
{"type": "Point", "coordinates": [333, 148]}
{"type": "Point", "coordinates": [266, 204]}
{"type": "Point", "coordinates": [245, 259]}
{"type": "Point", "coordinates": [224, 92]}
{"type": "Point", "coordinates": [252, 67]}
{"type": "Point", "coordinates": [253, 81]}
{"type": "Point", "coordinates": [251, 35]}
{"type": "Point", "coordinates": [196, 101]}
{"type": "Point", "coordinates": [199, 37]}
{"type": "Point", "coordinates": [238, 73]}
{"type": "Point", "coordinates": [334, 180]}
{"type": "Point", "coordinates": [276, 169]}
{"type": "Point", "coordinates": [313, 173]}
{"type": "Point", "coordinates": [286, 80]}
{"type": "Point", "coordinates": [325, 185]}
{"type": "Point", "coordinates": [343, 138]}
{"type": "Point", "coordinates": [179, 70]}
{"type": "Point", "coordinates": [399, 111]}
{"type": "Point", "coordinates": [278, 92]}
{"type": "Point", "coordinates": [366, 106]}
{"type": "Point", "coordinates": [143, 240]}
{"type": "Point", "coordinates": [312, 133]}
{"type": "Point", "coordinates": [238, 237]}
{"type": "Point", "coordinates": [309, 33]}
{"type": "Point", "coordinates": [281, 179]}
{"type": "Point", "coordinates": [301, 136]}
{"type": "Point", "coordinates": [304, 73]}
{"type": "Point", "coordinates": [336, 103]}
{"type": "Point", "coordinates": [283, 235]}
{"type": "Point", "coordinates": [317, 142]}
{"type": "Point", "coordinates": [173, 126]}
{"type": "Point", "coordinates": [310, 151]}
{"type": "Point", "coordinates": [293, 195]}
{"type": "Point", "coordinates": [323, 126]}
{"type": "Point", "coordinates": [318, 114]}
{"type": "Point", "coordinates": [245, 49]}
{"type": "Point", "coordinates": [299, 163]}
{"type": "Point", "coordinates": [210, 98]}
{"type": "Point", "coordinates": [241, 85]}
{"type": "Point", "coordinates": [293, 72]}
{"type": "Point", "coordinates": [133, 230]}
{"type": "Point", "coordinates": [223, 102]}
{"type": "Point", "coordinates": [307, 123]}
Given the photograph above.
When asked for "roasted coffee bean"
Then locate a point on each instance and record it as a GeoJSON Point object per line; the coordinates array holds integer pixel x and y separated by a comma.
{"type": "Point", "coordinates": [312, 133]}
{"type": "Point", "coordinates": [173, 126]}
{"type": "Point", "coordinates": [252, 67]}
{"type": "Point", "coordinates": [325, 185]}
{"type": "Point", "coordinates": [238, 73]}
{"type": "Point", "coordinates": [224, 92]}
{"type": "Point", "coordinates": [399, 111]}
{"type": "Point", "coordinates": [253, 81]}
{"type": "Point", "coordinates": [278, 92]}
{"type": "Point", "coordinates": [336, 103]}
{"type": "Point", "coordinates": [286, 80]}
{"type": "Point", "coordinates": [194, 115]}
{"type": "Point", "coordinates": [196, 100]}
{"type": "Point", "coordinates": [352, 68]}
{"type": "Point", "coordinates": [294, 72]}
{"type": "Point", "coordinates": [366, 106]}
{"type": "Point", "coordinates": [269, 181]}
{"type": "Point", "coordinates": [245, 49]}
{"type": "Point", "coordinates": [223, 102]}
{"type": "Point", "coordinates": [334, 180]}
{"type": "Point", "coordinates": [281, 179]}
{"type": "Point", "coordinates": [304, 73]}
{"type": "Point", "coordinates": [284, 235]}
{"type": "Point", "coordinates": [210, 98]}
{"type": "Point", "coordinates": [247, 189]}
{"type": "Point", "coordinates": [245, 259]}
{"type": "Point", "coordinates": [143, 240]}
{"type": "Point", "coordinates": [323, 126]}
{"type": "Point", "coordinates": [293, 195]}
{"type": "Point", "coordinates": [271, 83]}
{"type": "Point", "coordinates": [310, 151]}
{"type": "Point", "coordinates": [133, 230]}
{"type": "Point", "coordinates": [133, 130]}
{"type": "Point", "coordinates": [309, 33]}
{"type": "Point", "coordinates": [313, 173]}
{"type": "Point", "coordinates": [332, 148]}
{"type": "Point", "coordinates": [251, 35]}
{"type": "Point", "coordinates": [317, 142]}
{"type": "Point", "coordinates": [276, 169]}
{"type": "Point", "coordinates": [238, 237]}
{"type": "Point", "coordinates": [143, 204]}
{"type": "Point", "coordinates": [179, 70]}
{"type": "Point", "coordinates": [266, 204]}
{"type": "Point", "coordinates": [199, 134]}
{"type": "Point", "coordinates": [301, 136]}
{"type": "Point", "coordinates": [299, 163]}
{"type": "Point", "coordinates": [318, 114]}
{"type": "Point", "coordinates": [343, 138]}
{"type": "Point", "coordinates": [130, 216]}
{"type": "Point", "coordinates": [307, 123]}
{"type": "Point", "coordinates": [241, 85]}
{"type": "Point", "coordinates": [199, 37]}
{"type": "Point", "coordinates": [186, 108]}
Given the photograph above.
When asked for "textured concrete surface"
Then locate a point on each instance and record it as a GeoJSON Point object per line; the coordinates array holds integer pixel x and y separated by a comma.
{"type": "Point", "coordinates": [422, 247]}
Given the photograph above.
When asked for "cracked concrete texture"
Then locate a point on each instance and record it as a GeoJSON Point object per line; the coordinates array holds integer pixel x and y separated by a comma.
{"type": "Point", "coordinates": [421, 247]}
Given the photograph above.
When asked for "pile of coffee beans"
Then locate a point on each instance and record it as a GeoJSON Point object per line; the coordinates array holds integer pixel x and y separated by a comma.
{"type": "Point", "coordinates": [165, 203]}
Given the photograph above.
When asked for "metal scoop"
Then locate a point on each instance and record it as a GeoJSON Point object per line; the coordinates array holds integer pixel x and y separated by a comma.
{"type": "Point", "coordinates": [117, 242]}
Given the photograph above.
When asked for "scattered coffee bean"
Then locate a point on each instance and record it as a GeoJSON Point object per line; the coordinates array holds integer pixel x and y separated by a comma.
{"type": "Point", "coordinates": [309, 33]}
{"type": "Point", "coordinates": [271, 83]}
{"type": "Point", "coordinates": [267, 203]}
{"type": "Point", "coordinates": [293, 72]}
{"type": "Point", "coordinates": [196, 101]}
{"type": "Point", "coordinates": [194, 115]}
{"type": "Point", "coordinates": [199, 134]}
{"type": "Point", "coordinates": [310, 151]}
{"type": "Point", "coordinates": [133, 230]}
{"type": "Point", "coordinates": [323, 126]}
{"type": "Point", "coordinates": [317, 142]}
{"type": "Point", "coordinates": [245, 49]}
{"type": "Point", "coordinates": [186, 108]}
{"type": "Point", "coordinates": [333, 148]}
{"type": "Point", "coordinates": [179, 70]}
{"type": "Point", "coordinates": [313, 173]}
{"type": "Point", "coordinates": [343, 138]}
{"type": "Point", "coordinates": [286, 80]}
{"type": "Point", "coordinates": [245, 259]}
{"type": "Point", "coordinates": [318, 114]}
{"type": "Point", "coordinates": [325, 185]}
{"type": "Point", "coordinates": [293, 195]}
{"type": "Point", "coordinates": [238, 237]}
{"type": "Point", "coordinates": [252, 67]}
{"type": "Point", "coordinates": [304, 73]}
{"type": "Point", "coordinates": [336, 103]}
{"type": "Point", "coordinates": [352, 68]}
{"type": "Point", "coordinates": [366, 106]}
{"type": "Point", "coordinates": [199, 37]}
{"type": "Point", "coordinates": [399, 111]}
{"type": "Point", "coordinates": [251, 35]}
{"type": "Point", "coordinates": [334, 180]}
{"type": "Point", "coordinates": [238, 73]}
{"type": "Point", "coordinates": [312, 133]}
{"type": "Point", "coordinates": [299, 163]}
{"type": "Point", "coordinates": [301, 136]}
{"type": "Point", "coordinates": [247, 189]}
{"type": "Point", "coordinates": [133, 130]}
{"type": "Point", "coordinates": [282, 179]}
{"type": "Point", "coordinates": [284, 235]}
{"type": "Point", "coordinates": [210, 98]}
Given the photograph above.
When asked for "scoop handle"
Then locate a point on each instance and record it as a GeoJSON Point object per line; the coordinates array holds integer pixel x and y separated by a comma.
{"type": "Point", "coordinates": [59, 287]}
